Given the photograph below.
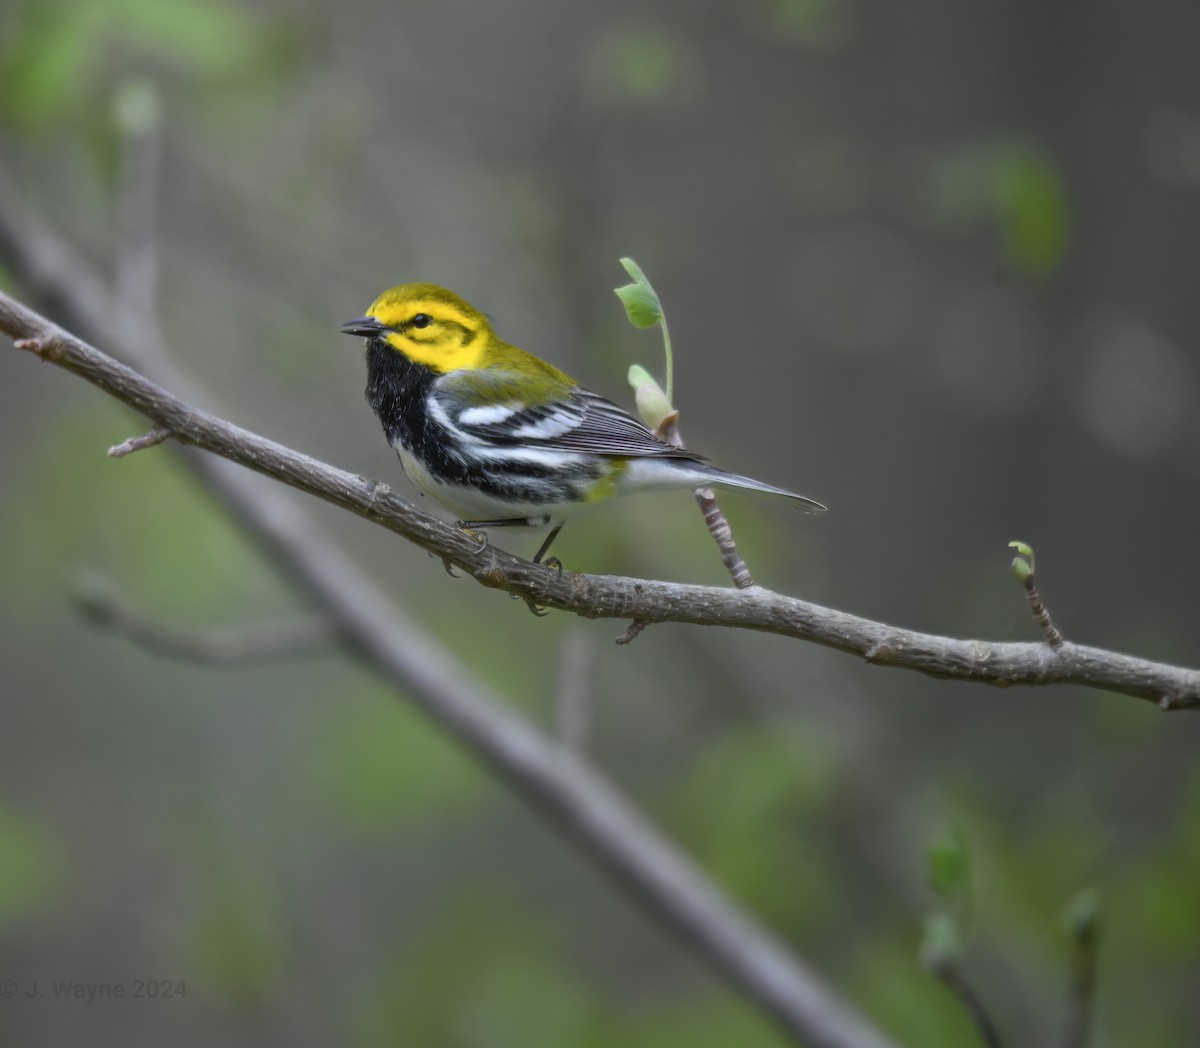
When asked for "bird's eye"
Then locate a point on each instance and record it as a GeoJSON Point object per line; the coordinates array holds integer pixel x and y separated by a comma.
{"type": "Point", "coordinates": [422, 320]}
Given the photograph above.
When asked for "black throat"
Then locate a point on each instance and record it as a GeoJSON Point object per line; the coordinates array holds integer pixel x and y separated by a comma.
{"type": "Point", "coordinates": [396, 390]}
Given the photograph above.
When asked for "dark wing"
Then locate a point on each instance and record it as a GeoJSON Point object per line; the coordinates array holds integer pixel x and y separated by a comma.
{"type": "Point", "coordinates": [606, 429]}
{"type": "Point", "coordinates": [574, 420]}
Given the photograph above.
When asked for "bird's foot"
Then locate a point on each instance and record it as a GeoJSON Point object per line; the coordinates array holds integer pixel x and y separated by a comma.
{"type": "Point", "coordinates": [479, 536]}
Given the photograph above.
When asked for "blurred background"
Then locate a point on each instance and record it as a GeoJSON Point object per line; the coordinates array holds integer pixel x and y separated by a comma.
{"type": "Point", "coordinates": [933, 264]}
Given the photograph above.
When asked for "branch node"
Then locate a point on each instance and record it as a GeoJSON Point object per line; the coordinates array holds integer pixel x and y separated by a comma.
{"type": "Point", "coordinates": [377, 491]}
{"type": "Point", "coordinates": [879, 652]}
{"type": "Point", "coordinates": [632, 631]}
{"type": "Point", "coordinates": [147, 440]}
{"type": "Point", "coordinates": [38, 344]}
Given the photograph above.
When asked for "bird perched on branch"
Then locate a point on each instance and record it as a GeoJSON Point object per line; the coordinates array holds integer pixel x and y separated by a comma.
{"type": "Point", "coordinates": [500, 437]}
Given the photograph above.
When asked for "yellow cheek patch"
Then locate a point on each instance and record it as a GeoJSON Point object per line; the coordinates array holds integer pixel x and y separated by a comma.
{"type": "Point", "coordinates": [438, 350]}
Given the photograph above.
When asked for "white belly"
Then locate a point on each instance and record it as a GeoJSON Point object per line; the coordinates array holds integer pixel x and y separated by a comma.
{"type": "Point", "coordinates": [471, 504]}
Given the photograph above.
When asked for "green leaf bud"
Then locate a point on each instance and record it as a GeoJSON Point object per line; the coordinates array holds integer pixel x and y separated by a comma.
{"type": "Point", "coordinates": [652, 403]}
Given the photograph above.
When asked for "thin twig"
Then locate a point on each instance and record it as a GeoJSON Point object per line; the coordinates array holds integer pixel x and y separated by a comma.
{"type": "Point", "coordinates": [633, 631]}
{"type": "Point", "coordinates": [1024, 567]}
{"type": "Point", "coordinates": [722, 534]}
{"type": "Point", "coordinates": [104, 605]}
{"type": "Point", "coordinates": [1085, 943]}
{"type": "Point", "coordinates": [147, 440]}
{"type": "Point", "coordinates": [714, 518]}
{"type": "Point", "coordinates": [973, 1005]}
{"type": "Point", "coordinates": [1041, 615]}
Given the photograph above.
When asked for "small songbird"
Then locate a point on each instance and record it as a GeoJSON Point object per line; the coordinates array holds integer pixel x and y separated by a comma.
{"type": "Point", "coordinates": [498, 436]}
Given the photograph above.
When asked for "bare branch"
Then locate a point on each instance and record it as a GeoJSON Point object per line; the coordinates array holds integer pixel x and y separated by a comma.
{"type": "Point", "coordinates": [1083, 926]}
{"type": "Point", "coordinates": [100, 600]}
{"type": "Point", "coordinates": [953, 979]}
{"type": "Point", "coordinates": [604, 596]}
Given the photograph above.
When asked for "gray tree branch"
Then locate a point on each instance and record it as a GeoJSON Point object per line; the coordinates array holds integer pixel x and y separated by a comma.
{"type": "Point", "coordinates": [103, 604]}
{"type": "Point", "coordinates": [604, 596]}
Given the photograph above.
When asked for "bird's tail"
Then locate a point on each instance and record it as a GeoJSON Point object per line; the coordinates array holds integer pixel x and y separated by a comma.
{"type": "Point", "coordinates": [718, 478]}
{"type": "Point", "coordinates": [659, 472]}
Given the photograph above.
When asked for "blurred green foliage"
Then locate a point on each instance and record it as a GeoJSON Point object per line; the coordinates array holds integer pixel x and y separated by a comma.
{"type": "Point", "coordinates": [1017, 189]}
{"type": "Point", "coordinates": [236, 948]}
{"type": "Point", "coordinates": [486, 973]}
{"type": "Point", "coordinates": [142, 519]}
{"type": "Point", "coordinates": [639, 64]}
{"type": "Point", "coordinates": [949, 869]}
{"type": "Point", "coordinates": [56, 57]}
{"type": "Point", "coordinates": [1081, 915]}
{"type": "Point", "coordinates": [823, 23]}
{"type": "Point", "coordinates": [385, 766]}
{"type": "Point", "coordinates": [750, 811]}
{"type": "Point", "coordinates": [909, 1002]}
{"type": "Point", "coordinates": [33, 867]}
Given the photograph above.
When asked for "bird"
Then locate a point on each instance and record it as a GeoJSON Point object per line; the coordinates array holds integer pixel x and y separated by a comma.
{"type": "Point", "coordinates": [502, 438]}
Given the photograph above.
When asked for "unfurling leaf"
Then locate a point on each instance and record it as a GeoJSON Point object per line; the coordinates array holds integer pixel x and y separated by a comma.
{"type": "Point", "coordinates": [1023, 569]}
{"type": "Point", "coordinates": [639, 298]}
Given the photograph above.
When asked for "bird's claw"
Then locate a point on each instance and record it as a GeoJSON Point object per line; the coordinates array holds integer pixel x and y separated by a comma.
{"type": "Point", "coordinates": [555, 563]}
{"type": "Point", "coordinates": [479, 536]}
{"type": "Point", "coordinates": [537, 609]}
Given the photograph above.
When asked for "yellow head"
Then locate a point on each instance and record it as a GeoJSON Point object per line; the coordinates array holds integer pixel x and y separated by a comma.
{"type": "Point", "coordinates": [429, 325]}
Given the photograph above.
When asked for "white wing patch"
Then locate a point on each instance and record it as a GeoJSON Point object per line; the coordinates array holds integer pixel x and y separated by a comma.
{"type": "Point", "coordinates": [489, 414]}
{"type": "Point", "coordinates": [553, 425]}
